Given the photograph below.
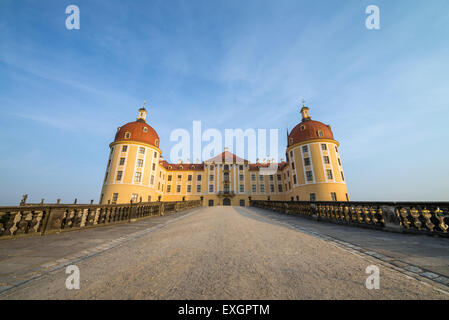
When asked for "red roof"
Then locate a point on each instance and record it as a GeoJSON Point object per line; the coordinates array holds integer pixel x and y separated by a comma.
{"type": "Point", "coordinates": [227, 156]}
{"type": "Point", "coordinates": [139, 131]}
{"type": "Point", "coordinates": [257, 166]}
{"type": "Point", "coordinates": [309, 130]}
{"type": "Point", "coordinates": [219, 158]}
{"type": "Point", "coordinates": [182, 166]}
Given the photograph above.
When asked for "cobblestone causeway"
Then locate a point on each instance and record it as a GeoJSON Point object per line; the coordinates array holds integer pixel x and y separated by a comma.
{"type": "Point", "coordinates": [215, 253]}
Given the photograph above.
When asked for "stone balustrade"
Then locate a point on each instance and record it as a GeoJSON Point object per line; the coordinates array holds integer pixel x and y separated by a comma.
{"type": "Point", "coordinates": [52, 218]}
{"type": "Point", "coordinates": [410, 217]}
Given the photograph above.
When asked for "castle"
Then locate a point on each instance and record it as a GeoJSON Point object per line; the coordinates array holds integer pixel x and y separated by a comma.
{"type": "Point", "coordinates": [137, 172]}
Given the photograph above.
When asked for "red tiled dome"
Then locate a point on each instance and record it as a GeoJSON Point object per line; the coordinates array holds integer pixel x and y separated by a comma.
{"type": "Point", "coordinates": [309, 130]}
{"type": "Point", "coordinates": [137, 131]}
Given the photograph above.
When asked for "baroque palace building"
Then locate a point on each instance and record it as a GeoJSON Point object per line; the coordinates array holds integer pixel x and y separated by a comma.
{"type": "Point", "coordinates": [137, 172]}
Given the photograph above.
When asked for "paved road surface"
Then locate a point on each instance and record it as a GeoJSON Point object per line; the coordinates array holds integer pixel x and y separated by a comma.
{"type": "Point", "coordinates": [219, 253]}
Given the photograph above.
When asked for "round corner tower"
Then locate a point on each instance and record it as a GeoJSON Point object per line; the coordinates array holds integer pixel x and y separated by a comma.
{"type": "Point", "coordinates": [132, 172]}
{"type": "Point", "coordinates": [315, 163]}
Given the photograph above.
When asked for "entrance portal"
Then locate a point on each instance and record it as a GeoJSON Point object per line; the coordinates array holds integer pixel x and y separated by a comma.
{"type": "Point", "coordinates": [226, 202]}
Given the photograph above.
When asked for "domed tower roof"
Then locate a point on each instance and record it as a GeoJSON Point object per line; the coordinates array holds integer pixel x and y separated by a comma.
{"type": "Point", "coordinates": [138, 131]}
{"type": "Point", "coordinates": [309, 129]}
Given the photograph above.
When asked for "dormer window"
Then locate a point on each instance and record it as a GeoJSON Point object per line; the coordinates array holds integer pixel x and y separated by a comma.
{"type": "Point", "coordinates": [156, 142]}
{"type": "Point", "coordinates": [145, 129]}
{"type": "Point", "coordinates": [127, 135]}
{"type": "Point", "coordinates": [302, 127]}
{"type": "Point", "coordinates": [320, 133]}
{"type": "Point", "coordinates": [290, 140]}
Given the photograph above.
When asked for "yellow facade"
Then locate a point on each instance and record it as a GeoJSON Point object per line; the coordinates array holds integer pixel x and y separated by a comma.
{"type": "Point", "coordinates": [136, 172]}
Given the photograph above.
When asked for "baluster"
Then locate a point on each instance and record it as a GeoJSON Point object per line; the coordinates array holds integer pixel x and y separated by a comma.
{"type": "Point", "coordinates": [427, 216]}
{"type": "Point", "coordinates": [415, 214]}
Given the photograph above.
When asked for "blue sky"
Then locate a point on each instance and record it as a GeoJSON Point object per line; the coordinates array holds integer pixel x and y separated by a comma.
{"type": "Point", "coordinates": [230, 64]}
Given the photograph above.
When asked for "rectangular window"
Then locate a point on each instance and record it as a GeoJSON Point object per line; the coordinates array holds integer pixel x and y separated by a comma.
{"type": "Point", "coordinates": [115, 197]}
{"type": "Point", "coordinates": [189, 188]}
{"type": "Point", "coordinates": [169, 178]}
{"type": "Point", "coordinates": [271, 187]}
{"type": "Point", "coordinates": [168, 188]}
{"type": "Point", "coordinates": [253, 177]}
{"type": "Point", "coordinates": [152, 180]}
{"type": "Point", "coordinates": [241, 167]}
{"type": "Point", "coordinates": [124, 148]}
{"type": "Point", "coordinates": [312, 197]}
{"type": "Point", "coordinates": [307, 161]}
{"type": "Point", "coordinates": [305, 149]}
{"type": "Point", "coordinates": [339, 162]}
{"type": "Point", "coordinates": [154, 166]}
{"type": "Point", "coordinates": [138, 177]}
{"type": "Point", "coordinates": [279, 177]}
{"type": "Point", "coordinates": [323, 146]}
{"type": "Point", "coordinates": [293, 166]}
{"type": "Point", "coordinates": [134, 197]}
{"type": "Point", "coordinates": [189, 177]}
{"type": "Point", "coordinates": [198, 178]}
{"type": "Point", "coordinates": [211, 188]}
{"type": "Point", "coordinates": [329, 174]}
{"type": "Point", "coordinates": [260, 177]}
{"type": "Point", "coordinates": [253, 188]}
{"type": "Point", "coordinates": [262, 188]}
{"type": "Point", "coordinates": [241, 177]}
{"type": "Point", "coordinates": [140, 163]}
{"type": "Point", "coordinates": [326, 159]}
{"type": "Point", "coordinates": [142, 150]}
{"type": "Point", "coordinates": [155, 154]}
{"type": "Point", "coordinates": [294, 178]}
{"type": "Point", "coordinates": [271, 177]}
{"type": "Point", "coordinates": [122, 161]}
{"type": "Point", "coordinates": [119, 175]}
{"type": "Point", "coordinates": [336, 149]}
{"type": "Point", "coordinates": [280, 187]}
{"type": "Point", "coordinates": [291, 154]}
{"type": "Point", "coordinates": [179, 176]}
{"type": "Point", "coordinates": [198, 188]}
{"type": "Point", "coordinates": [178, 188]}
{"type": "Point", "coordinates": [242, 188]}
{"type": "Point", "coordinates": [309, 176]}
{"type": "Point", "coordinates": [334, 196]}
{"type": "Point", "coordinates": [342, 176]}
{"type": "Point", "coordinates": [211, 177]}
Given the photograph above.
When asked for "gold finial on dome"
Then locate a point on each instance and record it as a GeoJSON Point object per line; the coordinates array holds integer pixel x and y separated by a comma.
{"type": "Point", "coordinates": [142, 113]}
{"type": "Point", "coordinates": [305, 111]}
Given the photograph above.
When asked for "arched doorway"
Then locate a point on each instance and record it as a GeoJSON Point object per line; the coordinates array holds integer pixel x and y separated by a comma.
{"type": "Point", "coordinates": [226, 202]}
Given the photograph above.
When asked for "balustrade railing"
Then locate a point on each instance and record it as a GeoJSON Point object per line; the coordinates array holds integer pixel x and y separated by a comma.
{"type": "Point", "coordinates": [411, 217]}
{"type": "Point", "coordinates": [52, 218]}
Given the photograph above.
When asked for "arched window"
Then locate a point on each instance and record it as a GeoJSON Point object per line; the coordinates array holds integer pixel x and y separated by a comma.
{"type": "Point", "coordinates": [156, 142]}
{"type": "Point", "coordinates": [302, 127]}
{"type": "Point", "coordinates": [320, 133]}
{"type": "Point", "coordinates": [127, 135]}
{"type": "Point", "coordinates": [145, 129]}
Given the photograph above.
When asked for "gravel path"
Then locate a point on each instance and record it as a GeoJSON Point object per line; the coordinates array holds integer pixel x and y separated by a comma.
{"type": "Point", "coordinates": [226, 253]}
